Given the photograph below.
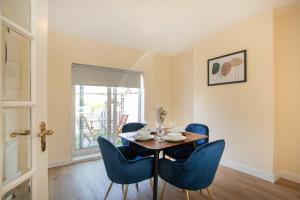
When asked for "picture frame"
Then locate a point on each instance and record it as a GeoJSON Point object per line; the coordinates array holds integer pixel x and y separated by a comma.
{"type": "Point", "coordinates": [227, 69]}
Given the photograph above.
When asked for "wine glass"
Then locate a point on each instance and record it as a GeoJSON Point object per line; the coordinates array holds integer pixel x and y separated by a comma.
{"type": "Point", "coordinates": [173, 126]}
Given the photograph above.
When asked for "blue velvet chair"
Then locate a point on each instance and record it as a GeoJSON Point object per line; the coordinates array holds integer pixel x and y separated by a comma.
{"type": "Point", "coordinates": [139, 150]}
{"type": "Point", "coordinates": [122, 167]}
{"type": "Point", "coordinates": [184, 151]}
{"type": "Point", "coordinates": [130, 127]}
{"type": "Point", "coordinates": [197, 172]}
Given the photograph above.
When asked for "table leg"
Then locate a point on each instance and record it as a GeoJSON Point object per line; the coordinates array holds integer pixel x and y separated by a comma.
{"type": "Point", "coordinates": [155, 174]}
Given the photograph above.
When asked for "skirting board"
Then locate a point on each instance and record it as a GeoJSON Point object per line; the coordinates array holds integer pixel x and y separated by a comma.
{"type": "Point", "coordinates": [289, 176]}
{"type": "Point", "coordinates": [60, 163]}
{"type": "Point", "coordinates": [249, 170]}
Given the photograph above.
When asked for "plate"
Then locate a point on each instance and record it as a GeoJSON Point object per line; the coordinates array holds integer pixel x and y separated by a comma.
{"type": "Point", "coordinates": [174, 139]}
{"type": "Point", "coordinates": [143, 137]}
{"type": "Point", "coordinates": [178, 130]}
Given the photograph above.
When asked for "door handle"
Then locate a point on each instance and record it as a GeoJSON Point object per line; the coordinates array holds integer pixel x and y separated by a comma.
{"type": "Point", "coordinates": [15, 134]}
{"type": "Point", "coordinates": [43, 133]}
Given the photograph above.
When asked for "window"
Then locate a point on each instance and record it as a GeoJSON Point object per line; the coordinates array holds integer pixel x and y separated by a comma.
{"type": "Point", "coordinates": [103, 99]}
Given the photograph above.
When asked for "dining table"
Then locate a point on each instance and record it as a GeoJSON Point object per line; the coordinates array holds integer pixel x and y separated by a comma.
{"type": "Point", "coordinates": [158, 145]}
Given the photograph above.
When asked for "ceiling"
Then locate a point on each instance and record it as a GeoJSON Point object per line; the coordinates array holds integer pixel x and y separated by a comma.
{"type": "Point", "coordinates": [165, 26]}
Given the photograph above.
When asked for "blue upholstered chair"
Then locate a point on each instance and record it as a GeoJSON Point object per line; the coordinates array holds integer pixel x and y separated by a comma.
{"type": "Point", "coordinates": [130, 127]}
{"type": "Point", "coordinates": [139, 150]}
{"type": "Point", "coordinates": [184, 151]}
{"type": "Point", "coordinates": [122, 167]}
{"type": "Point", "coordinates": [197, 172]}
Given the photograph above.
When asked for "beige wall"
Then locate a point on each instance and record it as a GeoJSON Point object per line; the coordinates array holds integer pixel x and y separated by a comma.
{"type": "Point", "coordinates": [241, 113]}
{"type": "Point", "coordinates": [183, 88]}
{"type": "Point", "coordinates": [65, 50]}
{"type": "Point", "coordinates": [287, 57]}
{"type": "Point", "coordinates": [259, 118]}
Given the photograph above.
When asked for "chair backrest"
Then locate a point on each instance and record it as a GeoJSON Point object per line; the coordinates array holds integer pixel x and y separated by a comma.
{"type": "Point", "coordinates": [202, 165]}
{"type": "Point", "coordinates": [112, 158]}
{"type": "Point", "coordinates": [200, 129]}
{"type": "Point", "coordinates": [130, 127]}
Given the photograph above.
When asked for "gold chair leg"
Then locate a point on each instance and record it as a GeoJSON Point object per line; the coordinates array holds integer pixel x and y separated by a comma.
{"type": "Point", "coordinates": [108, 190]}
{"type": "Point", "coordinates": [137, 186]}
{"type": "Point", "coordinates": [151, 183]}
{"type": "Point", "coordinates": [187, 195]}
{"type": "Point", "coordinates": [163, 190]}
{"type": "Point", "coordinates": [125, 192]}
{"type": "Point", "coordinates": [210, 197]}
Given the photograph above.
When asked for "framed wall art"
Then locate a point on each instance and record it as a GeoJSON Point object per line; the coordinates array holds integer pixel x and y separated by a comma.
{"type": "Point", "coordinates": [230, 68]}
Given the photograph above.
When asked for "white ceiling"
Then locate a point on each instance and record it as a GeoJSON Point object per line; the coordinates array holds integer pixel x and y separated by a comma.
{"type": "Point", "coordinates": [166, 26]}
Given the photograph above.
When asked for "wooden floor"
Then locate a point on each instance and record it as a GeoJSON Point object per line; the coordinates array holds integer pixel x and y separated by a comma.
{"type": "Point", "coordinates": [88, 181]}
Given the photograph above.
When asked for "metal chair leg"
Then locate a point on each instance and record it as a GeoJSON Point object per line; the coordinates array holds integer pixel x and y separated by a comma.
{"type": "Point", "coordinates": [163, 190]}
{"type": "Point", "coordinates": [210, 197]}
{"type": "Point", "coordinates": [125, 192]}
{"type": "Point", "coordinates": [108, 190]}
{"type": "Point", "coordinates": [137, 186]}
{"type": "Point", "coordinates": [187, 195]}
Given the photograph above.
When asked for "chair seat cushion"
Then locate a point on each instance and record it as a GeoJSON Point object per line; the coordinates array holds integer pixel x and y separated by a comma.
{"type": "Point", "coordinates": [180, 153]}
{"type": "Point", "coordinates": [141, 151]}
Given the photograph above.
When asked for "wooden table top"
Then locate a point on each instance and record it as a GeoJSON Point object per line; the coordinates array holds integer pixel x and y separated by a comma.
{"type": "Point", "coordinates": [156, 145]}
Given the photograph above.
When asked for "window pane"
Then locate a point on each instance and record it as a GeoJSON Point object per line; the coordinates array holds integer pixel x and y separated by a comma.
{"type": "Point", "coordinates": [90, 115]}
{"type": "Point", "coordinates": [15, 66]}
{"type": "Point", "coordinates": [128, 103]}
{"type": "Point", "coordinates": [100, 111]}
{"type": "Point", "coordinates": [21, 192]}
{"type": "Point", "coordinates": [18, 11]}
{"type": "Point", "coordinates": [17, 154]}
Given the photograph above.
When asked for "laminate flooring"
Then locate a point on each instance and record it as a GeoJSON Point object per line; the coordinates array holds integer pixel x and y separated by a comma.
{"type": "Point", "coordinates": [88, 181]}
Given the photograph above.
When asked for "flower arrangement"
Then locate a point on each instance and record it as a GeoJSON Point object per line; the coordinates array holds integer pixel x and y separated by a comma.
{"type": "Point", "coordinates": [161, 115]}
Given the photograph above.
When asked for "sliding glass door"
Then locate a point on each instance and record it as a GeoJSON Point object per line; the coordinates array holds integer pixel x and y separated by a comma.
{"type": "Point", "coordinates": [101, 111]}
{"type": "Point", "coordinates": [104, 99]}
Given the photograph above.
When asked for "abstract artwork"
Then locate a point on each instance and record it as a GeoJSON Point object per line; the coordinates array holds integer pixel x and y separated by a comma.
{"type": "Point", "coordinates": [230, 68]}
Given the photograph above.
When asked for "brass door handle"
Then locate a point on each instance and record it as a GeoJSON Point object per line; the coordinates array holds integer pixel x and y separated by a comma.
{"type": "Point", "coordinates": [43, 133]}
{"type": "Point", "coordinates": [15, 134]}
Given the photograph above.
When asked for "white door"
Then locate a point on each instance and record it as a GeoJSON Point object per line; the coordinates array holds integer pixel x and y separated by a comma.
{"type": "Point", "coordinates": [23, 90]}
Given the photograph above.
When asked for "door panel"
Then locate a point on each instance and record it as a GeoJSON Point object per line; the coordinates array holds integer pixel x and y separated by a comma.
{"type": "Point", "coordinates": [17, 143]}
{"type": "Point", "coordinates": [23, 93]}
{"type": "Point", "coordinates": [15, 66]}
{"type": "Point", "coordinates": [21, 192]}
